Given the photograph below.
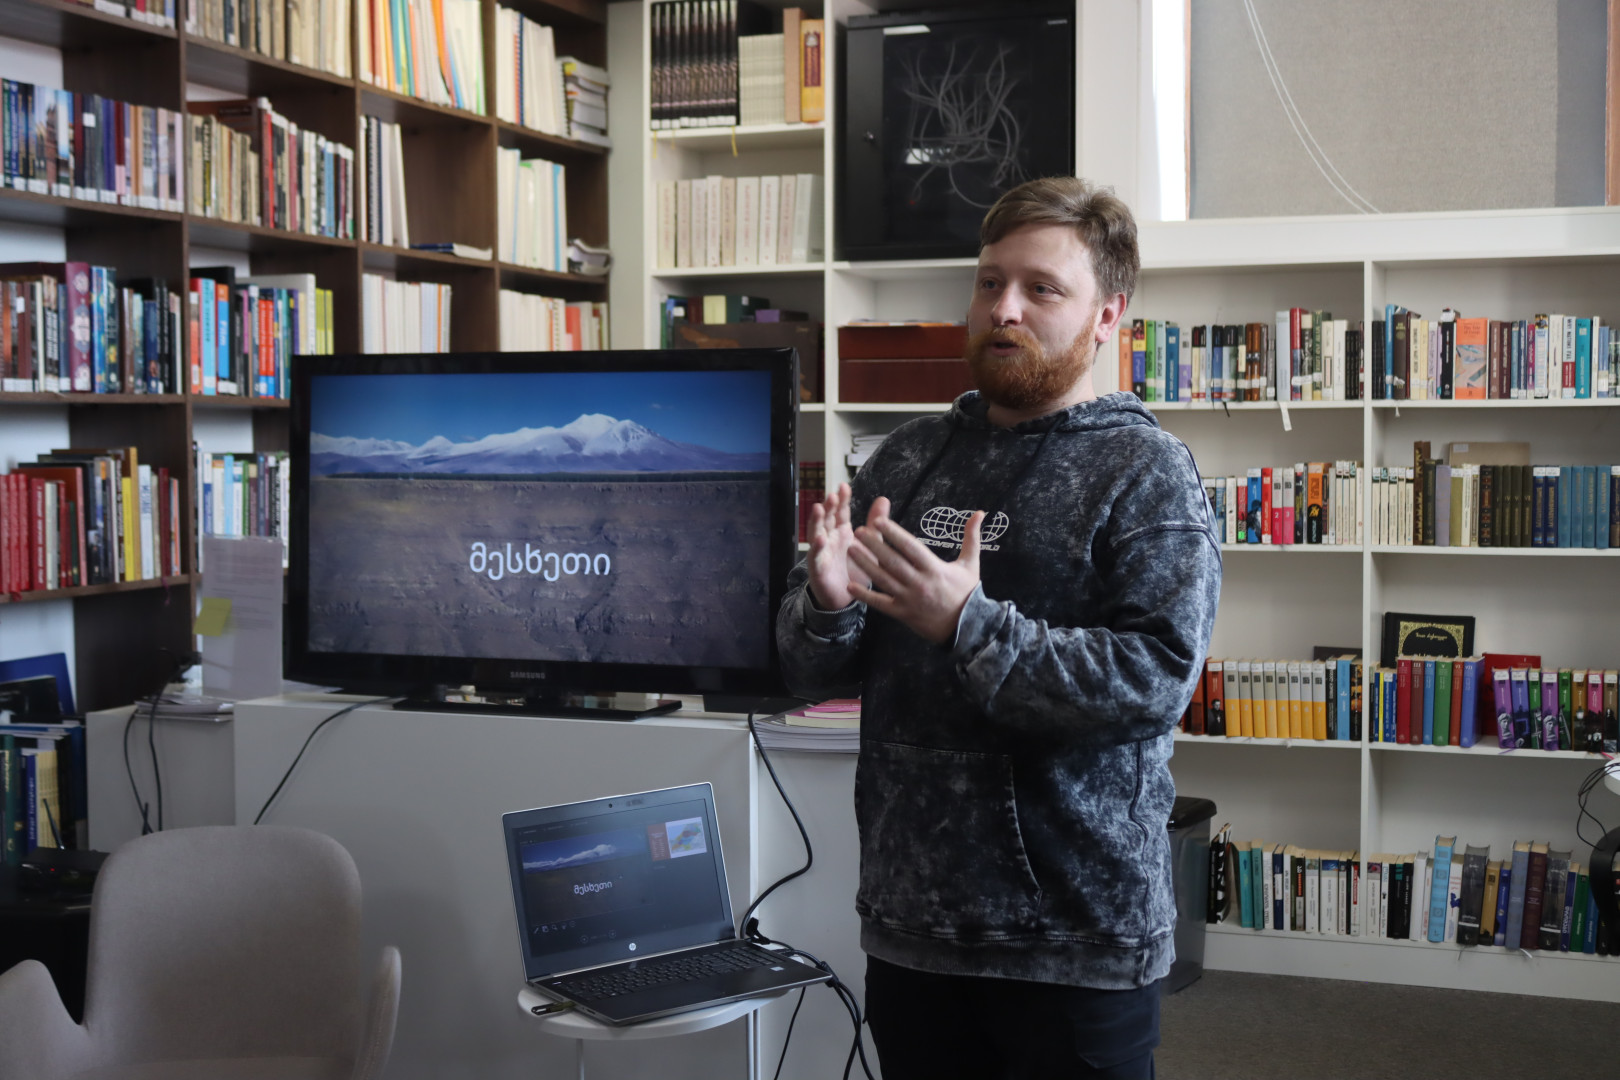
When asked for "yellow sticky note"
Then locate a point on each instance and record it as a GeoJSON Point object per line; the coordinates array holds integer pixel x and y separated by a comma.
{"type": "Point", "coordinates": [211, 619]}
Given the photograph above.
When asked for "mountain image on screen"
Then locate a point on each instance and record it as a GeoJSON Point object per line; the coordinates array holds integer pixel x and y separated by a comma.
{"type": "Point", "coordinates": [599, 540]}
{"type": "Point", "coordinates": [593, 443]}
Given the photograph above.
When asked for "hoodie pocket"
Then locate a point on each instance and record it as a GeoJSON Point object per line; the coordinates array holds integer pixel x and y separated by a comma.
{"type": "Point", "coordinates": [941, 850]}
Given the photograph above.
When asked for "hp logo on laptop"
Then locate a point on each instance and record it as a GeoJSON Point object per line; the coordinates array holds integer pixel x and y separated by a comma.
{"type": "Point", "coordinates": [632, 946]}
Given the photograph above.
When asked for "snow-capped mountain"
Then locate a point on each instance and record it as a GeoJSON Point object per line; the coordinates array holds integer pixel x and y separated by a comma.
{"type": "Point", "coordinates": [591, 443]}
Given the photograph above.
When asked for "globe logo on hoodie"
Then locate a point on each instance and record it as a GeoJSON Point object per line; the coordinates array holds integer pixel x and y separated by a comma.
{"type": "Point", "coordinates": [943, 526]}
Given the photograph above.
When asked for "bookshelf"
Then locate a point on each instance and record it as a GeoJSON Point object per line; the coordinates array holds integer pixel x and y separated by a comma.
{"type": "Point", "coordinates": [119, 632]}
{"type": "Point", "coordinates": [1279, 601]}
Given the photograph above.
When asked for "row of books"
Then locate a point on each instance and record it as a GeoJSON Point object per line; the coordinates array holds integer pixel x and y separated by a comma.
{"type": "Point", "coordinates": [780, 75]}
{"type": "Point", "coordinates": [528, 78]}
{"type": "Point", "coordinates": [404, 316]}
{"type": "Point", "coordinates": [812, 489]}
{"type": "Point", "coordinates": [1488, 505]}
{"type": "Point", "coordinates": [1316, 502]}
{"type": "Point", "coordinates": [314, 33]}
{"type": "Point", "coordinates": [43, 798]}
{"type": "Point", "coordinates": [1278, 699]}
{"type": "Point", "coordinates": [428, 49]}
{"type": "Point", "coordinates": [1538, 899]}
{"type": "Point", "coordinates": [740, 221]}
{"type": "Point", "coordinates": [715, 309]}
{"type": "Point", "coordinates": [1543, 356]}
{"type": "Point", "coordinates": [531, 211]}
{"type": "Point", "coordinates": [1270, 886]}
{"type": "Point", "coordinates": [242, 495]}
{"type": "Point", "coordinates": [86, 146]}
{"type": "Point", "coordinates": [1458, 701]}
{"type": "Point", "coordinates": [78, 517]}
{"type": "Point", "coordinates": [536, 88]}
{"type": "Point", "coordinates": [150, 12]}
{"type": "Point", "coordinates": [1310, 356]}
{"type": "Point", "coordinates": [243, 333]}
{"type": "Point", "coordinates": [384, 216]}
{"type": "Point", "coordinates": [72, 327]}
{"type": "Point", "coordinates": [696, 62]}
{"type": "Point", "coordinates": [531, 323]}
{"type": "Point", "coordinates": [248, 163]}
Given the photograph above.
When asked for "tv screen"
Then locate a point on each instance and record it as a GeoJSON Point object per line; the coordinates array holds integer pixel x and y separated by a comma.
{"type": "Point", "coordinates": [553, 521]}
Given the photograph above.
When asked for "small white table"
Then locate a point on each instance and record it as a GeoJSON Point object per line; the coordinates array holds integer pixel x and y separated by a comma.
{"type": "Point", "coordinates": [579, 1027]}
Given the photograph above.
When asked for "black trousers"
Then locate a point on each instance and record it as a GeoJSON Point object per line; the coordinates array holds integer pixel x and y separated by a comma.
{"type": "Point", "coordinates": [932, 1027]}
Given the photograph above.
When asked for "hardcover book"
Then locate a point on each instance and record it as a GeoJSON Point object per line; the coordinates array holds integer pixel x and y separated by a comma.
{"type": "Point", "coordinates": [1552, 906]}
{"type": "Point", "coordinates": [1407, 634]}
{"type": "Point", "coordinates": [1475, 894]}
{"type": "Point", "coordinates": [1535, 884]}
{"type": "Point", "coordinates": [1486, 930]}
{"type": "Point", "coordinates": [1438, 887]}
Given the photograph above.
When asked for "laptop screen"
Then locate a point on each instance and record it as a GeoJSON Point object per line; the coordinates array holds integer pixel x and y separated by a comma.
{"type": "Point", "coordinates": [615, 878]}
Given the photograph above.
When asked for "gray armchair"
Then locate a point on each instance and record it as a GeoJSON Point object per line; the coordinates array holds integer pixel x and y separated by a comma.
{"type": "Point", "coordinates": [226, 953]}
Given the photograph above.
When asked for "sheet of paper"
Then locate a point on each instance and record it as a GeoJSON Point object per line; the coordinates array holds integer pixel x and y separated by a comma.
{"type": "Point", "coordinates": [245, 660]}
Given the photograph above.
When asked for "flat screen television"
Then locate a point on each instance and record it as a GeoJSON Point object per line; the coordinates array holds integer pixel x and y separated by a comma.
{"type": "Point", "coordinates": [542, 524]}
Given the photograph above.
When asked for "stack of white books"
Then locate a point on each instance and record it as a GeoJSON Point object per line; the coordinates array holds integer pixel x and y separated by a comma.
{"type": "Point", "coordinates": [585, 86]}
{"type": "Point", "coordinates": [831, 727]}
{"type": "Point", "coordinates": [861, 449]}
{"type": "Point", "coordinates": [760, 80]}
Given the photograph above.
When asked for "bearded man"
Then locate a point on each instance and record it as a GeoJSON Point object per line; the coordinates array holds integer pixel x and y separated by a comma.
{"type": "Point", "coordinates": [1024, 609]}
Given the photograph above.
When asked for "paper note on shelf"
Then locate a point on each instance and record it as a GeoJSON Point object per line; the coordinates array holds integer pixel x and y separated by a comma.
{"type": "Point", "coordinates": [245, 660]}
{"type": "Point", "coordinates": [212, 616]}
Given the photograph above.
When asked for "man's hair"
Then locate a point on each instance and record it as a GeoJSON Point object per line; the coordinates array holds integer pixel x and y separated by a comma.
{"type": "Point", "coordinates": [1098, 216]}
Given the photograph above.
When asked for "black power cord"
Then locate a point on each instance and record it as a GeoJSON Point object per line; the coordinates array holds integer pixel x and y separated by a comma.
{"type": "Point", "coordinates": [288, 774]}
{"type": "Point", "coordinates": [146, 824]}
{"type": "Point", "coordinates": [1583, 793]}
{"type": "Point", "coordinates": [182, 661]}
{"type": "Point", "coordinates": [751, 932]}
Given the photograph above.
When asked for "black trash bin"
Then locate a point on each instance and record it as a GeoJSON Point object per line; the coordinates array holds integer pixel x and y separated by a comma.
{"type": "Point", "coordinates": [1189, 874]}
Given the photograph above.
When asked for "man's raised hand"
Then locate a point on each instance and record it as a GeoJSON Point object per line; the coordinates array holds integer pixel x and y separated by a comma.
{"type": "Point", "coordinates": [831, 537]}
{"type": "Point", "coordinates": [909, 582]}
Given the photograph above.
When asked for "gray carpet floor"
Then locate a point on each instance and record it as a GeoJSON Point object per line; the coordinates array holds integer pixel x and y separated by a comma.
{"type": "Point", "coordinates": [1234, 1026]}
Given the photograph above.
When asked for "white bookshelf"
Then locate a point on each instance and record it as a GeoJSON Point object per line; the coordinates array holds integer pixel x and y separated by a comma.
{"type": "Point", "coordinates": [1279, 601]}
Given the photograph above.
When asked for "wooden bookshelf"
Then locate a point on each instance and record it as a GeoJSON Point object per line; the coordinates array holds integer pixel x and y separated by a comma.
{"type": "Point", "coordinates": [125, 634]}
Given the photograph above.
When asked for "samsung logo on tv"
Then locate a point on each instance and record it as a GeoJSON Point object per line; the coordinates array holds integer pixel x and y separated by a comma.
{"type": "Point", "coordinates": [528, 674]}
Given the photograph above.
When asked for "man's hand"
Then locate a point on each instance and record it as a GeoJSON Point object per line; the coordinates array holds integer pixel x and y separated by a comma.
{"type": "Point", "coordinates": [909, 582]}
{"type": "Point", "coordinates": [830, 541]}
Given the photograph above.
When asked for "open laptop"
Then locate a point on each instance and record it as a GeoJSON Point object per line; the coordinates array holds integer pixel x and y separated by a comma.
{"type": "Point", "coordinates": [622, 908]}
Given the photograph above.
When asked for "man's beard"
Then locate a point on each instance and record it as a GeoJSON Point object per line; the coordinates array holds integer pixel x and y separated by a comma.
{"type": "Point", "coordinates": [1032, 376]}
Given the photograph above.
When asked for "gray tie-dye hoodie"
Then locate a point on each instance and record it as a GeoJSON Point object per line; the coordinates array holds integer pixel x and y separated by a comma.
{"type": "Point", "coordinates": [1013, 789]}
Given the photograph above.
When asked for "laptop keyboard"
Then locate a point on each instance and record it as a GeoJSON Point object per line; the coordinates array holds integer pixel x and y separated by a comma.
{"type": "Point", "coordinates": [662, 971]}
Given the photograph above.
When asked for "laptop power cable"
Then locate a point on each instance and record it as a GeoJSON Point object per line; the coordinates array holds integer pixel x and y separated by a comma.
{"type": "Point", "coordinates": [751, 932]}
